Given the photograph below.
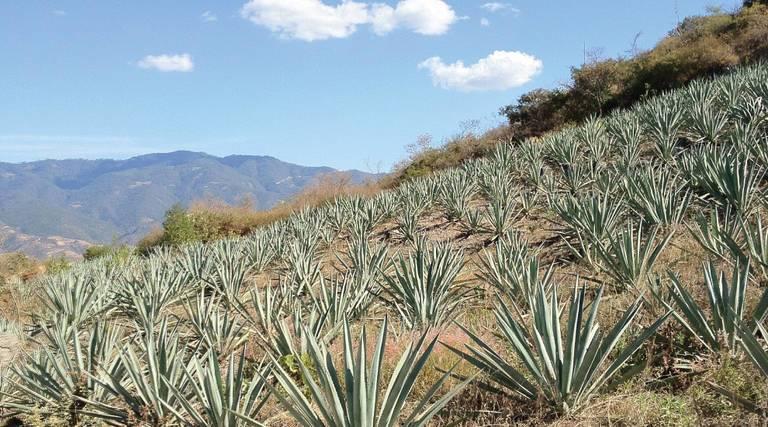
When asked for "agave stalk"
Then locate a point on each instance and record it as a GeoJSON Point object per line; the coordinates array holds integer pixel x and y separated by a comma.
{"type": "Point", "coordinates": [424, 287]}
{"type": "Point", "coordinates": [357, 399]}
{"type": "Point", "coordinates": [628, 258]}
{"type": "Point", "coordinates": [564, 368]}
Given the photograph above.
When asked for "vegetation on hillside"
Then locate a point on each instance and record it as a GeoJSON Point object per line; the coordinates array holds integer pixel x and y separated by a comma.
{"type": "Point", "coordinates": [699, 46]}
{"type": "Point", "coordinates": [610, 273]}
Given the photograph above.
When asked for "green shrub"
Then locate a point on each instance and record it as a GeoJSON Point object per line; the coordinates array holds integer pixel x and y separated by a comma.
{"type": "Point", "coordinates": [113, 250]}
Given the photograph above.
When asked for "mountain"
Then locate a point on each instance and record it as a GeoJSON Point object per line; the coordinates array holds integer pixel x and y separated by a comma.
{"type": "Point", "coordinates": [67, 203]}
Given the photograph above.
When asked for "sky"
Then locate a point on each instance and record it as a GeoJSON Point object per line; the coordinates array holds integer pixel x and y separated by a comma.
{"type": "Point", "coordinates": [345, 84]}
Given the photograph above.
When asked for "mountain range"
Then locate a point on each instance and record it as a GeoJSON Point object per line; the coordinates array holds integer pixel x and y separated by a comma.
{"type": "Point", "coordinates": [59, 207]}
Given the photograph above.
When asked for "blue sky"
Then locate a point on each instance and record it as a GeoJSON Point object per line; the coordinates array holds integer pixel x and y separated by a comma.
{"type": "Point", "coordinates": [308, 81]}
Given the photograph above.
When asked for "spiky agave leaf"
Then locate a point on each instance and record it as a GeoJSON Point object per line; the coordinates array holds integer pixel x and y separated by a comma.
{"type": "Point", "coordinates": [719, 330]}
{"type": "Point", "coordinates": [65, 374]}
{"type": "Point", "coordinates": [221, 397]}
{"type": "Point", "coordinates": [150, 368]}
{"type": "Point", "coordinates": [566, 368]}
{"type": "Point", "coordinates": [359, 399]}
{"type": "Point", "coordinates": [424, 287]}
{"type": "Point", "coordinates": [659, 195]}
{"type": "Point", "coordinates": [628, 258]}
{"type": "Point", "coordinates": [513, 270]}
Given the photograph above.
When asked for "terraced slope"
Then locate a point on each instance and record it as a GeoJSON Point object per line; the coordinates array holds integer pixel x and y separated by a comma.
{"type": "Point", "coordinates": [609, 273]}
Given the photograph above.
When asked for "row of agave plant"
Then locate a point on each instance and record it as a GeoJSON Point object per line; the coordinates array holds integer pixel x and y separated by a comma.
{"type": "Point", "coordinates": [208, 334]}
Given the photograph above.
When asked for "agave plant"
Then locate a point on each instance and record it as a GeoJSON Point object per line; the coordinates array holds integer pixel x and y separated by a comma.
{"type": "Point", "coordinates": [142, 387]}
{"type": "Point", "coordinates": [424, 288]}
{"type": "Point", "coordinates": [513, 270]}
{"type": "Point", "coordinates": [342, 299]}
{"type": "Point", "coordinates": [564, 368]}
{"type": "Point", "coordinates": [728, 177]}
{"type": "Point", "coordinates": [627, 131]}
{"type": "Point", "coordinates": [593, 134]}
{"type": "Point", "coordinates": [364, 261]}
{"type": "Point", "coordinates": [473, 221]}
{"type": "Point", "coordinates": [408, 222]}
{"type": "Point", "coordinates": [74, 298]}
{"type": "Point", "coordinates": [587, 222]}
{"type": "Point", "coordinates": [578, 177]}
{"type": "Point", "coordinates": [219, 329]}
{"type": "Point", "coordinates": [500, 213]}
{"type": "Point", "coordinates": [628, 258]}
{"type": "Point", "coordinates": [564, 148]}
{"type": "Point", "coordinates": [219, 397]}
{"type": "Point", "coordinates": [719, 330]}
{"type": "Point", "coordinates": [663, 120]}
{"type": "Point", "coordinates": [357, 399]}
{"type": "Point", "coordinates": [65, 375]}
{"type": "Point", "coordinates": [715, 231]}
{"type": "Point", "coordinates": [707, 123]}
{"type": "Point", "coordinates": [145, 295]}
{"type": "Point", "coordinates": [660, 196]}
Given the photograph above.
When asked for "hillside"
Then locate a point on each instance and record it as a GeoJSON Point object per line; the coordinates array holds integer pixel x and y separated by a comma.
{"type": "Point", "coordinates": [608, 274]}
{"type": "Point", "coordinates": [100, 200]}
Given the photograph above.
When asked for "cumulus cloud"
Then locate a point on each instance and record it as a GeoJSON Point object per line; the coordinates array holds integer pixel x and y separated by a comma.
{"type": "Point", "coordinates": [209, 16]}
{"type": "Point", "coordinates": [428, 17]}
{"type": "Point", "coordinates": [167, 63]}
{"type": "Point", "coordinates": [485, 22]}
{"type": "Point", "coordinates": [500, 70]}
{"type": "Point", "coordinates": [311, 20]}
{"type": "Point", "coordinates": [307, 20]}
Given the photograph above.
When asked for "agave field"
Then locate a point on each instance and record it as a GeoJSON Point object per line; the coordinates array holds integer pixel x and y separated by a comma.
{"type": "Point", "coordinates": [539, 284]}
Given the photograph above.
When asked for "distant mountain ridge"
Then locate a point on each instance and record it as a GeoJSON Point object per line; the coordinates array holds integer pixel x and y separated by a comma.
{"type": "Point", "coordinates": [100, 200]}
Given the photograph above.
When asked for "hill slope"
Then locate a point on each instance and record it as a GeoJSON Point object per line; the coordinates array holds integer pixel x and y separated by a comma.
{"type": "Point", "coordinates": [98, 200]}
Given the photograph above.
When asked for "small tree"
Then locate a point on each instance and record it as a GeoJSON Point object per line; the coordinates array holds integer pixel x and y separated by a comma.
{"type": "Point", "coordinates": [178, 227]}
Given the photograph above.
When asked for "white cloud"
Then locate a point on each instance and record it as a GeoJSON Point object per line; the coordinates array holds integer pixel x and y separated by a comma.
{"type": "Point", "coordinates": [307, 20]}
{"type": "Point", "coordinates": [500, 70]}
{"type": "Point", "coordinates": [209, 16]}
{"type": "Point", "coordinates": [485, 22]}
{"type": "Point", "coordinates": [496, 7]}
{"type": "Point", "coordinates": [182, 62]}
{"type": "Point", "coordinates": [311, 20]}
{"type": "Point", "coordinates": [428, 17]}
{"type": "Point", "coordinates": [59, 13]}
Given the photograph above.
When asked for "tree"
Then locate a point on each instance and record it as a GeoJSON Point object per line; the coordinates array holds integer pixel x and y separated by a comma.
{"type": "Point", "coordinates": [178, 227]}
